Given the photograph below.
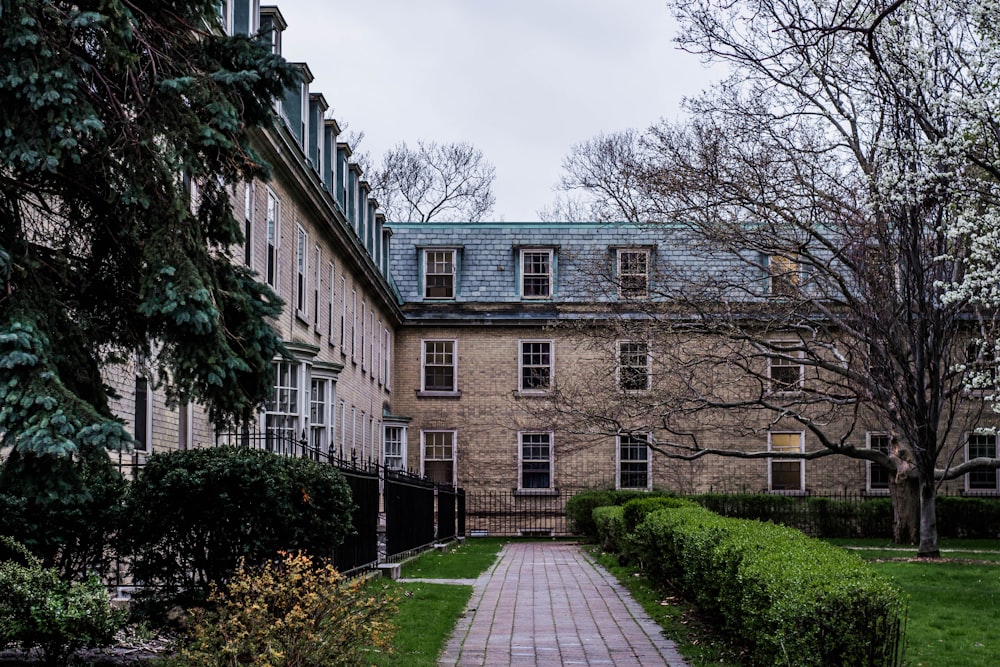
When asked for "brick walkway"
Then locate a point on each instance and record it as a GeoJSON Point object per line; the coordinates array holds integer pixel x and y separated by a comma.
{"type": "Point", "coordinates": [549, 604]}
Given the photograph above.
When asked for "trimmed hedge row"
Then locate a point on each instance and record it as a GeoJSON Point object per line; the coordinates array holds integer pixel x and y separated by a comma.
{"type": "Point", "coordinates": [788, 598]}
{"type": "Point", "coordinates": [958, 517]}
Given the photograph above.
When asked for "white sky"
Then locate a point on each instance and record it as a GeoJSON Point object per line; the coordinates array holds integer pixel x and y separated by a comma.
{"type": "Point", "coordinates": [523, 80]}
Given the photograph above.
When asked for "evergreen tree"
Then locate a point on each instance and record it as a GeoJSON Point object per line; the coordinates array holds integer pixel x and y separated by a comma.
{"type": "Point", "coordinates": [109, 111]}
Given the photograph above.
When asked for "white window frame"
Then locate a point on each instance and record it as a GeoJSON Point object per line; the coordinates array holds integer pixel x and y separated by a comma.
{"type": "Point", "coordinates": [273, 239]}
{"type": "Point", "coordinates": [522, 367]}
{"type": "Point", "coordinates": [284, 414]}
{"type": "Point", "coordinates": [453, 354]}
{"type": "Point", "coordinates": [784, 275]}
{"type": "Point", "coordinates": [317, 285]}
{"type": "Point", "coordinates": [354, 325]}
{"type": "Point", "coordinates": [424, 459]}
{"type": "Point", "coordinates": [364, 306]}
{"type": "Point", "coordinates": [321, 416]}
{"type": "Point", "coordinates": [448, 261]}
{"type": "Point", "coordinates": [145, 442]}
{"type": "Point", "coordinates": [619, 365]}
{"type": "Point", "coordinates": [548, 275]}
{"type": "Point", "coordinates": [801, 463]}
{"type": "Point", "coordinates": [626, 291]}
{"type": "Point", "coordinates": [871, 437]}
{"type": "Point", "coordinates": [249, 194]}
{"type": "Point", "coordinates": [398, 457]}
{"type": "Point", "coordinates": [343, 315]}
{"type": "Point", "coordinates": [547, 459]}
{"type": "Point", "coordinates": [301, 271]}
{"type": "Point", "coordinates": [387, 360]}
{"type": "Point", "coordinates": [625, 439]}
{"type": "Point", "coordinates": [978, 488]}
{"type": "Point", "coordinates": [333, 303]}
{"type": "Point", "coordinates": [784, 348]}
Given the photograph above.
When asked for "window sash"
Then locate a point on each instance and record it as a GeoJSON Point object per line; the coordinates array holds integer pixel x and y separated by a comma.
{"type": "Point", "coordinates": [786, 475]}
{"type": "Point", "coordinates": [439, 274]}
{"type": "Point", "coordinates": [982, 445]}
{"type": "Point", "coordinates": [633, 273]}
{"type": "Point", "coordinates": [878, 476]}
{"type": "Point", "coordinates": [633, 365]}
{"type": "Point", "coordinates": [633, 462]}
{"type": "Point", "coordinates": [536, 460]}
{"type": "Point", "coordinates": [785, 373]}
{"type": "Point", "coordinates": [536, 274]}
{"type": "Point", "coordinates": [439, 365]}
{"type": "Point", "coordinates": [536, 365]}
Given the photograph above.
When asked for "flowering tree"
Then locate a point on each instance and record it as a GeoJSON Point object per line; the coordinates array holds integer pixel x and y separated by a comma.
{"type": "Point", "coordinates": [839, 192]}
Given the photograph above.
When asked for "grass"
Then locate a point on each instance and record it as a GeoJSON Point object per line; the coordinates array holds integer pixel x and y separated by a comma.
{"type": "Point", "coordinates": [428, 612]}
{"type": "Point", "coordinates": [953, 611]}
{"type": "Point", "coordinates": [698, 639]}
{"type": "Point", "coordinates": [953, 605]}
{"type": "Point", "coordinates": [465, 561]}
{"type": "Point", "coordinates": [426, 618]}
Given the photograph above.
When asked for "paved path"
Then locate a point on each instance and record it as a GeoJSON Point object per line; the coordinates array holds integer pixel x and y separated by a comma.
{"type": "Point", "coordinates": [550, 604]}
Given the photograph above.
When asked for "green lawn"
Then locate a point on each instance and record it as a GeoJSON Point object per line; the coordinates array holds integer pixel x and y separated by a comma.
{"type": "Point", "coordinates": [428, 612]}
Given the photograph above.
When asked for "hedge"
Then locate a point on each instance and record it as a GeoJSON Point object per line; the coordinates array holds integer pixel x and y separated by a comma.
{"type": "Point", "coordinates": [789, 598]}
{"type": "Point", "coordinates": [192, 516]}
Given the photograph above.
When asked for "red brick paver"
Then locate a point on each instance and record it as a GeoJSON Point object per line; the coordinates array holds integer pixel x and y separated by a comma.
{"type": "Point", "coordinates": [549, 604]}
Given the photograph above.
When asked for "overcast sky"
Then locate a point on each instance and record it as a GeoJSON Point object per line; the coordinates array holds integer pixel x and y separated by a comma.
{"type": "Point", "coordinates": [523, 80]}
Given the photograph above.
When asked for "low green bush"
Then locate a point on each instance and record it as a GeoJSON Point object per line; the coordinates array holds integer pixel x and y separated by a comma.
{"type": "Point", "coordinates": [970, 518]}
{"type": "Point", "coordinates": [790, 599]}
{"type": "Point", "coordinates": [580, 507]}
{"type": "Point", "coordinates": [192, 516]}
{"type": "Point", "coordinates": [40, 610]}
{"type": "Point", "coordinates": [609, 520]}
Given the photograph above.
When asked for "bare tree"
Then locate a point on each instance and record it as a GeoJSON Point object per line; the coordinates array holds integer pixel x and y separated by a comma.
{"type": "Point", "coordinates": [818, 199]}
{"type": "Point", "coordinates": [604, 177]}
{"type": "Point", "coordinates": [446, 182]}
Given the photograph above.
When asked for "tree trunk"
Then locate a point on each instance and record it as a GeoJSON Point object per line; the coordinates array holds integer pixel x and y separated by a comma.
{"type": "Point", "coordinates": [906, 505]}
{"type": "Point", "coordinates": [928, 521]}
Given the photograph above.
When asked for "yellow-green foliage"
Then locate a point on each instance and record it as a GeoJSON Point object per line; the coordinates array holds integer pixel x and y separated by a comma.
{"type": "Point", "coordinates": [290, 613]}
{"type": "Point", "coordinates": [610, 526]}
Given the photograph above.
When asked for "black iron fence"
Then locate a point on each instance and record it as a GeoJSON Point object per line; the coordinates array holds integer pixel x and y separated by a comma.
{"type": "Point", "coordinates": [509, 513]}
{"type": "Point", "coordinates": [409, 512]}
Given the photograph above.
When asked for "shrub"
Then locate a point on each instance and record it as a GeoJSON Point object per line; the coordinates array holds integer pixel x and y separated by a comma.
{"type": "Point", "coordinates": [580, 508]}
{"type": "Point", "coordinates": [610, 523]}
{"type": "Point", "coordinates": [40, 610]}
{"type": "Point", "coordinates": [289, 613]}
{"type": "Point", "coordinates": [63, 510]}
{"type": "Point", "coordinates": [788, 598]}
{"type": "Point", "coordinates": [968, 517]}
{"type": "Point", "coordinates": [192, 516]}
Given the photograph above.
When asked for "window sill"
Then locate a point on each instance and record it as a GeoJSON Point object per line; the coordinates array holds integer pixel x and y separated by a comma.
{"type": "Point", "coordinates": [536, 492]}
{"type": "Point", "coordinates": [980, 493]}
{"type": "Point", "coordinates": [789, 492]}
{"type": "Point", "coordinates": [875, 493]}
{"type": "Point", "coordinates": [439, 394]}
{"type": "Point", "coordinates": [532, 393]}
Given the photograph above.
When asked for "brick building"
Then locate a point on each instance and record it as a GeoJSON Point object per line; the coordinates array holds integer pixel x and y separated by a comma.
{"type": "Point", "coordinates": [440, 347]}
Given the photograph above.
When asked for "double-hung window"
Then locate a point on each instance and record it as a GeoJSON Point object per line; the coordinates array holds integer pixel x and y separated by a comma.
{"type": "Point", "coordinates": [438, 448]}
{"type": "Point", "coordinates": [633, 365]}
{"type": "Point", "coordinates": [633, 462]}
{"type": "Point", "coordinates": [633, 273]}
{"type": "Point", "coordinates": [248, 195]}
{"type": "Point", "coordinates": [878, 476]}
{"type": "Point", "coordinates": [301, 264]}
{"type": "Point", "coordinates": [536, 274]}
{"type": "Point", "coordinates": [535, 458]}
{"type": "Point", "coordinates": [439, 366]}
{"type": "Point", "coordinates": [981, 445]}
{"type": "Point", "coordinates": [317, 283]}
{"type": "Point", "coordinates": [784, 273]}
{"type": "Point", "coordinates": [535, 366]}
{"type": "Point", "coordinates": [394, 447]}
{"type": "Point", "coordinates": [282, 421]}
{"type": "Point", "coordinates": [143, 414]}
{"type": "Point", "coordinates": [786, 475]}
{"type": "Point", "coordinates": [320, 418]}
{"type": "Point", "coordinates": [273, 231]}
{"type": "Point", "coordinates": [439, 273]}
{"type": "Point", "coordinates": [785, 366]}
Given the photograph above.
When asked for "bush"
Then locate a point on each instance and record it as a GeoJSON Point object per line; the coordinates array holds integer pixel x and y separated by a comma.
{"type": "Point", "coordinates": [289, 613]}
{"type": "Point", "coordinates": [788, 598]}
{"type": "Point", "coordinates": [973, 518]}
{"type": "Point", "coordinates": [192, 516]}
{"type": "Point", "coordinates": [64, 510]}
{"type": "Point", "coordinates": [580, 508]}
{"type": "Point", "coordinates": [40, 610]}
{"type": "Point", "coordinates": [610, 523]}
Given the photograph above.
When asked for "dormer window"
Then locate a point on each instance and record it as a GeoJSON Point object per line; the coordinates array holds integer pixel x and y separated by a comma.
{"type": "Point", "coordinates": [785, 275]}
{"type": "Point", "coordinates": [536, 273]}
{"type": "Point", "coordinates": [439, 273]}
{"type": "Point", "coordinates": [633, 273]}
